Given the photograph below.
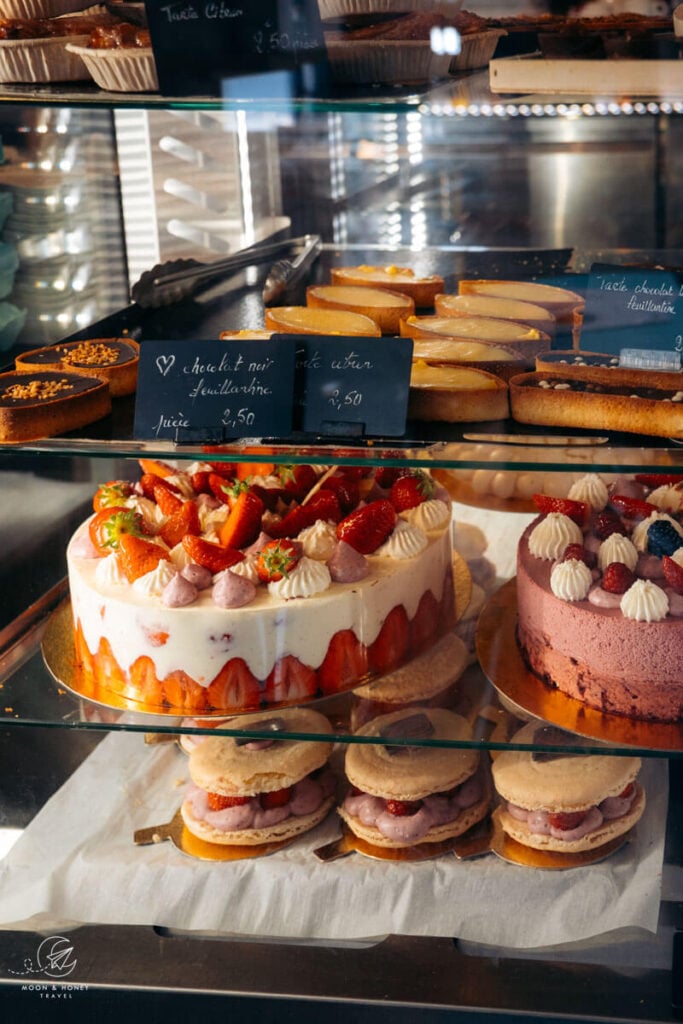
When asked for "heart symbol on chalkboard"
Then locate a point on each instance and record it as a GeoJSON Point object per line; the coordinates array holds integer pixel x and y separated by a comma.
{"type": "Point", "coordinates": [164, 364]}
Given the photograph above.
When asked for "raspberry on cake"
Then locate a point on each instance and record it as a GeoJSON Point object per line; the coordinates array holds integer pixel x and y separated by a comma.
{"type": "Point", "coordinates": [607, 630]}
{"type": "Point", "coordinates": [197, 593]}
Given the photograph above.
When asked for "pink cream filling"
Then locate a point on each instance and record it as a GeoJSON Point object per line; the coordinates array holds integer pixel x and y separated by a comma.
{"type": "Point", "coordinates": [609, 809]}
{"type": "Point", "coordinates": [307, 796]}
{"type": "Point", "coordinates": [437, 809]}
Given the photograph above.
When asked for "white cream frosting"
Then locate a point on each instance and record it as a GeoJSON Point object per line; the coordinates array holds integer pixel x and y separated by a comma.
{"type": "Point", "coordinates": [247, 568]}
{"type": "Point", "coordinates": [639, 535]}
{"type": "Point", "coordinates": [644, 601]}
{"type": "Point", "coordinates": [211, 519]}
{"type": "Point", "coordinates": [109, 572]}
{"type": "Point", "coordinates": [666, 497]}
{"type": "Point", "coordinates": [428, 515]}
{"type": "Point", "coordinates": [552, 535]}
{"type": "Point", "coordinates": [405, 541]}
{"type": "Point", "coordinates": [571, 580]}
{"type": "Point", "coordinates": [591, 489]}
{"type": "Point", "coordinates": [182, 482]}
{"type": "Point", "coordinates": [151, 514]}
{"type": "Point", "coordinates": [179, 557]}
{"type": "Point", "coordinates": [308, 578]}
{"type": "Point", "coordinates": [319, 540]}
{"type": "Point", "coordinates": [617, 548]}
{"type": "Point", "coordinates": [152, 584]}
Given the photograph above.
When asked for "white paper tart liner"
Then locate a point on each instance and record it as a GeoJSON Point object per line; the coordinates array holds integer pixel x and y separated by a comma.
{"type": "Point", "coordinates": [41, 60]}
{"type": "Point", "coordinates": [40, 8]}
{"type": "Point", "coordinates": [354, 8]}
{"type": "Point", "coordinates": [386, 62]}
{"type": "Point", "coordinates": [477, 50]}
{"type": "Point", "coordinates": [124, 70]}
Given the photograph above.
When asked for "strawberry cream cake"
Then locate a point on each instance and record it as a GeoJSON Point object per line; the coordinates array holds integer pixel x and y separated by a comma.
{"type": "Point", "coordinates": [600, 595]}
{"type": "Point", "coordinates": [231, 587]}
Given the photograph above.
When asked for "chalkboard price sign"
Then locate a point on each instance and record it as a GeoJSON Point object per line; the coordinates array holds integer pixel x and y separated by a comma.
{"type": "Point", "coordinates": [211, 391]}
{"type": "Point", "coordinates": [637, 308]}
{"type": "Point", "coordinates": [352, 386]}
{"type": "Point", "coordinates": [200, 45]}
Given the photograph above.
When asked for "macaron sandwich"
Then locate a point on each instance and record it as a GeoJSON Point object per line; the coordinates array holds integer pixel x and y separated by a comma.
{"type": "Point", "coordinates": [428, 680]}
{"type": "Point", "coordinates": [248, 792]}
{"type": "Point", "coordinates": [402, 794]}
{"type": "Point", "coordinates": [564, 801]}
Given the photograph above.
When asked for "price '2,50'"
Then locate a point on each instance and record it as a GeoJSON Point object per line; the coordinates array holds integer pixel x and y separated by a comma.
{"type": "Point", "coordinates": [238, 418]}
{"type": "Point", "coordinates": [344, 400]}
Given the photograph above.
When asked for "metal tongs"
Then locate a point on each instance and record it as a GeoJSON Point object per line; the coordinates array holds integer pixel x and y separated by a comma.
{"type": "Point", "coordinates": [176, 280]}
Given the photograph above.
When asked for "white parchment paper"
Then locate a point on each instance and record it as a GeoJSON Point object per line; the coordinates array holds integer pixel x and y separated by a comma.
{"type": "Point", "coordinates": [76, 862]}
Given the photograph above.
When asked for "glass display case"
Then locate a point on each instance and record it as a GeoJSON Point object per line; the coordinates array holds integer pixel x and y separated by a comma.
{"type": "Point", "coordinates": [105, 904]}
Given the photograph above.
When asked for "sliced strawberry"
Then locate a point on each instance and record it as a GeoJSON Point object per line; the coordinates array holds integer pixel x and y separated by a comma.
{"type": "Point", "coordinates": [578, 553]}
{"type": "Point", "coordinates": [219, 802]}
{"type": "Point", "coordinates": [659, 479]}
{"type": "Point", "coordinates": [673, 573]}
{"type": "Point", "coordinates": [226, 469]}
{"type": "Point", "coordinates": [424, 623]}
{"type": "Point", "coordinates": [345, 664]}
{"type": "Point", "coordinates": [366, 528]}
{"type": "Point", "coordinates": [144, 682]}
{"type": "Point", "coordinates": [200, 481]}
{"type": "Point", "coordinates": [566, 820]}
{"type": "Point", "coordinates": [276, 798]}
{"type": "Point", "coordinates": [169, 502]}
{"type": "Point", "coordinates": [148, 482]}
{"type": "Point", "coordinates": [114, 492]}
{"type": "Point", "coordinates": [268, 495]}
{"type": "Point", "coordinates": [635, 508]}
{"type": "Point", "coordinates": [213, 557]}
{"type": "Point", "coordinates": [139, 556]}
{"type": "Point", "coordinates": [323, 505]}
{"type": "Point", "coordinates": [403, 808]}
{"type": "Point", "coordinates": [156, 467]}
{"type": "Point", "coordinates": [290, 681]}
{"type": "Point", "coordinates": [182, 522]}
{"type": "Point", "coordinates": [345, 489]}
{"type": "Point", "coordinates": [617, 578]}
{"type": "Point", "coordinates": [576, 510]}
{"type": "Point", "coordinates": [410, 491]}
{"type": "Point", "coordinates": [391, 646]}
{"type": "Point", "coordinates": [235, 688]}
{"type": "Point", "coordinates": [109, 525]}
{"type": "Point", "coordinates": [181, 691]}
{"type": "Point", "coordinates": [385, 476]}
{"type": "Point", "coordinates": [277, 559]}
{"type": "Point", "coordinates": [243, 525]}
{"type": "Point", "coordinates": [246, 470]}
{"type": "Point", "coordinates": [297, 481]}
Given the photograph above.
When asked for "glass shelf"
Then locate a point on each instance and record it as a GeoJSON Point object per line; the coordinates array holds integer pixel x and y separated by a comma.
{"type": "Point", "coordinates": [467, 95]}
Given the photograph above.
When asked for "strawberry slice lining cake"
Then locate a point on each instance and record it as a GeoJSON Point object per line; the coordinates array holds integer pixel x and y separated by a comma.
{"type": "Point", "coordinates": [600, 595]}
{"type": "Point", "coordinates": [223, 588]}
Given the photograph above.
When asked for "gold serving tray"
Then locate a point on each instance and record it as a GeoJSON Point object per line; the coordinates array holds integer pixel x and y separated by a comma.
{"type": "Point", "coordinates": [525, 695]}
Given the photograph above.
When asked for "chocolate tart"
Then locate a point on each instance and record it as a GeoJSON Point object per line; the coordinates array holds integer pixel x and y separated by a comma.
{"type": "Point", "coordinates": [35, 405]}
{"type": "Point", "coordinates": [113, 360]}
{"type": "Point", "coordinates": [604, 368]}
{"type": "Point", "coordinates": [557, 399]}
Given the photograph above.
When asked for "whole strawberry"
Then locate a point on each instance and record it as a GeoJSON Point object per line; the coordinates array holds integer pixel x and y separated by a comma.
{"type": "Point", "coordinates": [606, 523]}
{"type": "Point", "coordinates": [366, 528]}
{"type": "Point", "coordinates": [580, 554]}
{"type": "Point", "coordinates": [277, 559]}
{"type": "Point", "coordinates": [110, 524]}
{"type": "Point", "coordinates": [617, 578]}
{"type": "Point", "coordinates": [411, 490]}
{"type": "Point", "coordinates": [576, 510]}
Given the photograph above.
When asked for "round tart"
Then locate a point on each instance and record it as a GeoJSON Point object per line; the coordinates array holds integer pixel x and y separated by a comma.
{"type": "Point", "coordinates": [475, 328]}
{"type": "Point", "coordinates": [565, 801]}
{"type": "Point", "coordinates": [114, 360]}
{"type": "Point", "coordinates": [561, 302]}
{"type": "Point", "coordinates": [421, 290]}
{"type": "Point", "coordinates": [499, 309]}
{"type": "Point", "coordinates": [503, 361]}
{"type": "Point", "coordinates": [455, 394]}
{"type": "Point", "coordinates": [386, 308]}
{"type": "Point", "coordinates": [306, 320]}
{"type": "Point", "coordinates": [35, 405]}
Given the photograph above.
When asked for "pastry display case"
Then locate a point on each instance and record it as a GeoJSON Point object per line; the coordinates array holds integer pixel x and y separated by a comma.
{"type": "Point", "coordinates": [410, 696]}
